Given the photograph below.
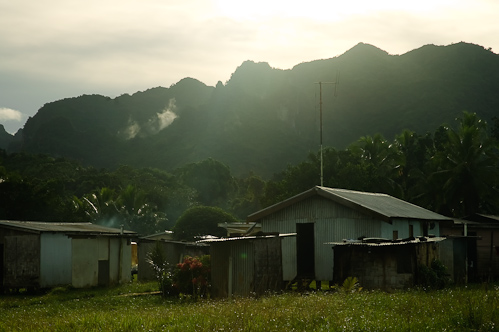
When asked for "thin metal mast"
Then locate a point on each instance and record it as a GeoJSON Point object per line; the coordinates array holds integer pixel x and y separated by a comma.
{"type": "Point", "coordinates": [320, 116]}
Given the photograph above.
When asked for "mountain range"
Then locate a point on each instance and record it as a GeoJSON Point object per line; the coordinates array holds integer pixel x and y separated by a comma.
{"type": "Point", "coordinates": [264, 118]}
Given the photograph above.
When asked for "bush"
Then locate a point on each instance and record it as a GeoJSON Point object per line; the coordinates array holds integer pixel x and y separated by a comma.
{"type": "Point", "coordinates": [433, 277]}
{"type": "Point", "coordinates": [191, 277]}
{"type": "Point", "coordinates": [163, 271]}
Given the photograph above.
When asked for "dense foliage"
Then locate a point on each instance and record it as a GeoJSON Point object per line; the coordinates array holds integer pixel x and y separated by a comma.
{"type": "Point", "coordinates": [453, 171]}
{"type": "Point", "coordinates": [43, 188]}
{"type": "Point", "coordinates": [201, 220]}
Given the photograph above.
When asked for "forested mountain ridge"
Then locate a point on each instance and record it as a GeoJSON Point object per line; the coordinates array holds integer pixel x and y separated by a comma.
{"type": "Point", "coordinates": [265, 118]}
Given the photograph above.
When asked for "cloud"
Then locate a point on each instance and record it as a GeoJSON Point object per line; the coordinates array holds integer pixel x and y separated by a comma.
{"type": "Point", "coordinates": [154, 125]}
{"type": "Point", "coordinates": [8, 114]}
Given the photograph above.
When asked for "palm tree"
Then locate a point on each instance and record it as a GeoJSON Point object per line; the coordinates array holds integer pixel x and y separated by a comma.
{"type": "Point", "coordinates": [380, 158]}
{"type": "Point", "coordinates": [466, 167]}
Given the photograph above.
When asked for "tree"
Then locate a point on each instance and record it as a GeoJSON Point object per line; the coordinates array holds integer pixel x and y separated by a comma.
{"type": "Point", "coordinates": [211, 179]}
{"type": "Point", "coordinates": [201, 220]}
{"type": "Point", "coordinates": [466, 168]}
{"type": "Point", "coordinates": [380, 161]}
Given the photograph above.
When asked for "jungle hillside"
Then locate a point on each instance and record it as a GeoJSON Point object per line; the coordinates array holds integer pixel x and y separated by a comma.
{"type": "Point", "coordinates": [421, 126]}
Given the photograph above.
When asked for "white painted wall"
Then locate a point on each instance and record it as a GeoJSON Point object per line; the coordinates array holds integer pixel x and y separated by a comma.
{"type": "Point", "coordinates": [55, 260]}
{"type": "Point", "coordinates": [85, 264]}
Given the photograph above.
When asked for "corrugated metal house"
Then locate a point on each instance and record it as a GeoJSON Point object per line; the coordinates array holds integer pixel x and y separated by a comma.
{"type": "Point", "coordinates": [172, 251]}
{"type": "Point", "coordinates": [384, 264]}
{"type": "Point", "coordinates": [244, 266]}
{"type": "Point", "coordinates": [322, 215]}
{"type": "Point", "coordinates": [48, 254]}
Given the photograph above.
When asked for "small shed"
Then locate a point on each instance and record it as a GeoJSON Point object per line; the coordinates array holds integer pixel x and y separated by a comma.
{"type": "Point", "coordinates": [48, 254]}
{"type": "Point", "coordinates": [173, 252]}
{"type": "Point", "coordinates": [322, 215]}
{"type": "Point", "coordinates": [384, 264]}
{"type": "Point", "coordinates": [244, 266]}
{"type": "Point", "coordinates": [482, 234]}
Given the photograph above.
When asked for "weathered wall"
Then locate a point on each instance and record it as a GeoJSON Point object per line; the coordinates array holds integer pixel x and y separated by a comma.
{"type": "Point", "coordinates": [375, 269]}
{"type": "Point", "coordinates": [21, 261]}
{"type": "Point", "coordinates": [484, 258]}
{"type": "Point", "coordinates": [268, 267]}
{"type": "Point", "coordinates": [85, 262]}
{"type": "Point", "coordinates": [246, 267]}
{"type": "Point", "coordinates": [385, 266]}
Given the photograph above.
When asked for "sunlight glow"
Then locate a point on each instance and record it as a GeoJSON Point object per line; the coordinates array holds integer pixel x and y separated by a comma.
{"type": "Point", "coordinates": [322, 10]}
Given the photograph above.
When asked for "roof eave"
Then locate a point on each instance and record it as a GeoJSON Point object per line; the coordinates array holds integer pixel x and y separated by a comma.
{"type": "Point", "coordinates": [281, 205]}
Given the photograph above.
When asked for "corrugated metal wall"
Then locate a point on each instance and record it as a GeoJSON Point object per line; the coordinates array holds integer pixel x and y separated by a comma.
{"type": "Point", "coordinates": [333, 223]}
{"type": "Point", "coordinates": [21, 261]}
{"type": "Point", "coordinates": [245, 267]}
{"type": "Point", "coordinates": [219, 255]}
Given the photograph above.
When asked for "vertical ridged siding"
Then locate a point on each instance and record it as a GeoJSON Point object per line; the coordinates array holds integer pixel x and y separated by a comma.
{"type": "Point", "coordinates": [333, 223]}
{"type": "Point", "coordinates": [242, 268]}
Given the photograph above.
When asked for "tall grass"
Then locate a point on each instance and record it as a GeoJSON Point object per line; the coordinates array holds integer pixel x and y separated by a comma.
{"type": "Point", "coordinates": [455, 309]}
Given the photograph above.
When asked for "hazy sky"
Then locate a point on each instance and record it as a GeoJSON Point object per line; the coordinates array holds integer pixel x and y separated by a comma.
{"type": "Point", "coordinates": [54, 49]}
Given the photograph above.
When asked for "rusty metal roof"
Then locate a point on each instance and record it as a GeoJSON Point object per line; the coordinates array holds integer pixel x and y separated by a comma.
{"type": "Point", "coordinates": [245, 238]}
{"type": "Point", "coordinates": [385, 242]}
{"type": "Point", "coordinates": [381, 206]}
{"type": "Point", "coordinates": [63, 227]}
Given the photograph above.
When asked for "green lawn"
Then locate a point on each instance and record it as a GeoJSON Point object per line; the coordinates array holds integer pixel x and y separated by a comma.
{"type": "Point", "coordinates": [475, 308]}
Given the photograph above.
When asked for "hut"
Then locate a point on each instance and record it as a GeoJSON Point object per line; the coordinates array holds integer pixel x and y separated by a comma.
{"type": "Point", "coordinates": [244, 266]}
{"type": "Point", "coordinates": [322, 215]}
{"type": "Point", "coordinates": [481, 235]}
{"type": "Point", "coordinates": [47, 254]}
{"type": "Point", "coordinates": [384, 264]}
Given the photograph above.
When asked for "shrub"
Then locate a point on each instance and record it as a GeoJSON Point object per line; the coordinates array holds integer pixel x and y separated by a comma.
{"type": "Point", "coordinates": [193, 276]}
{"type": "Point", "coordinates": [163, 271]}
{"type": "Point", "coordinates": [433, 277]}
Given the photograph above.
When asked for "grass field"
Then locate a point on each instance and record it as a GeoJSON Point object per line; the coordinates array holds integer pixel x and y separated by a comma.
{"type": "Point", "coordinates": [474, 308]}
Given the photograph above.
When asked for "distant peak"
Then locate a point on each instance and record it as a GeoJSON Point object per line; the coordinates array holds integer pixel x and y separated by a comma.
{"type": "Point", "coordinates": [363, 49]}
{"type": "Point", "coordinates": [251, 70]}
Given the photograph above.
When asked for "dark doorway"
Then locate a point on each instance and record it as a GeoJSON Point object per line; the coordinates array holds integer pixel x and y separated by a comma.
{"type": "Point", "coordinates": [1, 268]}
{"type": "Point", "coordinates": [103, 277]}
{"type": "Point", "coordinates": [305, 251]}
{"type": "Point", "coordinates": [472, 257]}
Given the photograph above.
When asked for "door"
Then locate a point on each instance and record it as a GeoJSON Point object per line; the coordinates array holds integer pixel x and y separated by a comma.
{"type": "Point", "coordinates": [103, 274]}
{"type": "Point", "coordinates": [1, 268]}
{"type": "Point", "coordinates": [305, 252]}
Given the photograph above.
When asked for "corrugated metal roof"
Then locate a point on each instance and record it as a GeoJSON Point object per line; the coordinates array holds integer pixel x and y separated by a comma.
{"type": "Point", "coordinates": [63, 227]}
{"type": "Point", "coordinates": [245, 238]}
{"type": "Point", "coordinates": [385, 242]}
{"type": "Point", "coordinates": [382, 205]}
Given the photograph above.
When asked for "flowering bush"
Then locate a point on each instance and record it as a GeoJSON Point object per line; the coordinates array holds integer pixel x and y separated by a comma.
{"type": "Point", "coordinates": [192, 276]}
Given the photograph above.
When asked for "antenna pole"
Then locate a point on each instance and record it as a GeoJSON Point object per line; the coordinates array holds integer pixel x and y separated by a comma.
{"type": "Point", "coordinates": [320, 111]}
{"type": "Point", "coordinates": [320, 130]}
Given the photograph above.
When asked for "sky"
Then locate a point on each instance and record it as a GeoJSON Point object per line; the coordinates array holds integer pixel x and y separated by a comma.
{"type": "Point", "coordinates": [56, 49]}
